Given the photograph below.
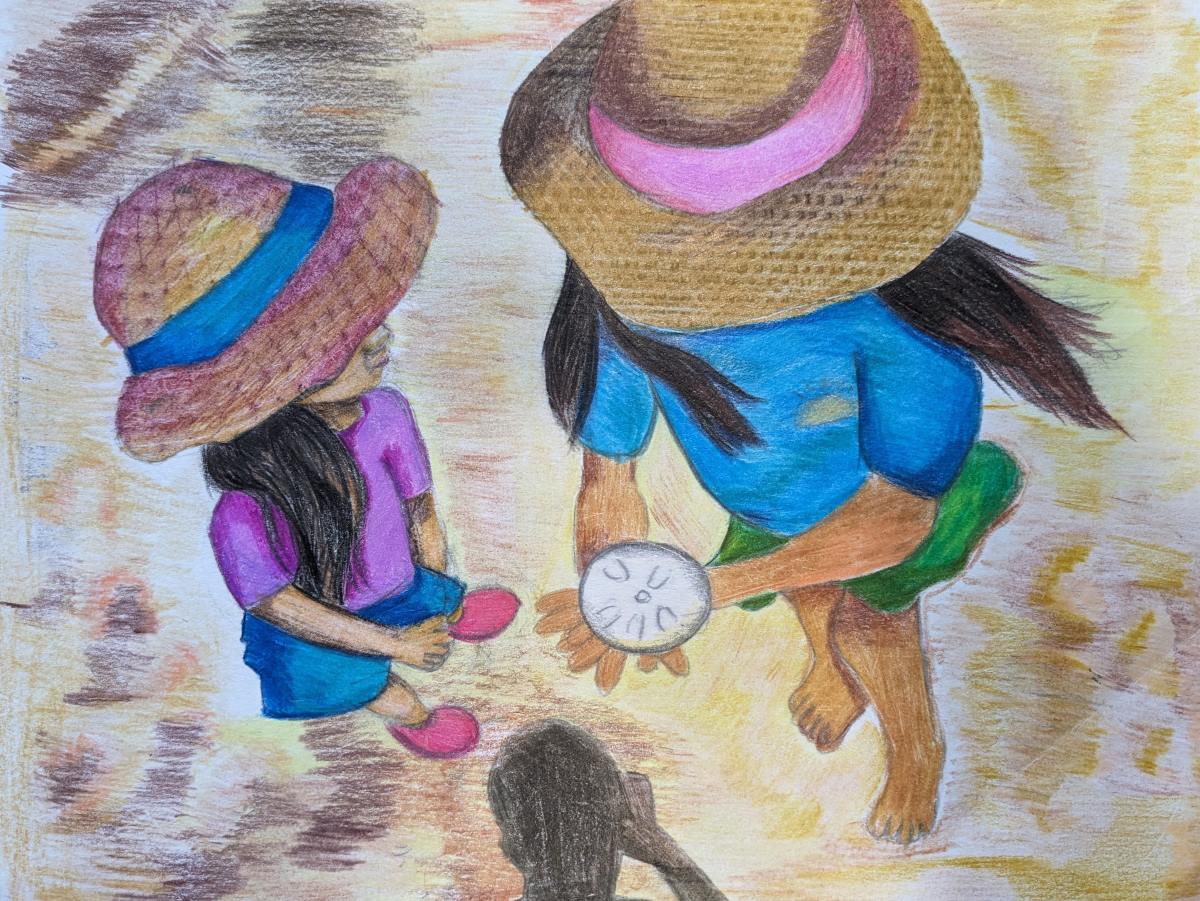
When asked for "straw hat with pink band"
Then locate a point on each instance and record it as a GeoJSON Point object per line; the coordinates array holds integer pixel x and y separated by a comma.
{"type": "Point", "coordinates": [233, 291]}
{"type": "Point", "coordinates": [729, 161]}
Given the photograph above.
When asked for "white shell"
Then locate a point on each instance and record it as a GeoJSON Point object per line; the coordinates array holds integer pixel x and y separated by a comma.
{"type": "Point", "coordinates": [644, 598]}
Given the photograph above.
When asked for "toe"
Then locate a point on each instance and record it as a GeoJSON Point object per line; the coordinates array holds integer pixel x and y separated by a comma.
{"type": "Point", "coordinates": [875, 826]}
{"type": "Point", "coordinates": [924, 827]}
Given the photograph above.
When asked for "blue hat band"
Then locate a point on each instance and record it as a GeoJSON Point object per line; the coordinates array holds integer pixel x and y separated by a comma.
{"type": "Point", "coordinates": [218, 318]}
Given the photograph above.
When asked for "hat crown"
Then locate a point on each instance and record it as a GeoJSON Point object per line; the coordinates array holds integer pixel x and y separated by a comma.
{"type": "Point", "coordinates": [715, 73]}
{"type": "Point", "coordinates": [175, 237]}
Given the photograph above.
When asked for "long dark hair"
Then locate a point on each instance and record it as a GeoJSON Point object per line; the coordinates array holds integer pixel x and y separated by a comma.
{"type": "Point", "coordinates": [570, 355]}
{"type": "Point", "coordinates": [977, 297]}
{"type": "Point", "coordinates": [967, 294]}
{"type": "Point", "coordinates": [296, 462]}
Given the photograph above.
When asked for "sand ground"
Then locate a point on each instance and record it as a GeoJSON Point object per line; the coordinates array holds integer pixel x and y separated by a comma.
{"type": "Point", "coordinates": [1065, 662]}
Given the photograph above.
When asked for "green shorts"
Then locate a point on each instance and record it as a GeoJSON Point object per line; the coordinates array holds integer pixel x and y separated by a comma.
{"type": "Point", "coordinates": [985, 488]}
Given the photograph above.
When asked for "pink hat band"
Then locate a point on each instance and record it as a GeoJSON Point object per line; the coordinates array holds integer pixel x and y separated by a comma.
{"type": "Point", "coordinates": [707, 180]}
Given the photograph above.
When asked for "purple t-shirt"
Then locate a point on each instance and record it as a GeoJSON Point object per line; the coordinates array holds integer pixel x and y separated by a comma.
{"type": "Point", "coordinates": [387, 447]}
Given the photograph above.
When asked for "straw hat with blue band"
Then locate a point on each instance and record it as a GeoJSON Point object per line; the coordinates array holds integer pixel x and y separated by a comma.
{"type": "Point", "coordinates": [215, 321]}
{"type": "Point", "coordinates": [234, 291]}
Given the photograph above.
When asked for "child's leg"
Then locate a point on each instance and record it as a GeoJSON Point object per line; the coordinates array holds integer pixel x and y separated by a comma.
{"type": "Point", "coordinates": [828, 701]}
{"type": "Point", "coordinates": [398, 702]}
{"type": "Point", "coordinates": [885, 652]}
{"type": "Point", "coordinates": [444, 732]}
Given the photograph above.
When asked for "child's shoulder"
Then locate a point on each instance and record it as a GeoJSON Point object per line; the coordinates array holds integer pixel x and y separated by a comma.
{"type": "Point", "coordinates": [234, 503]}
{"type": "Point", "coordinates": [235, 510]}
{"type": "Point", "coordinates": [387, 406]}
{"type": "Point", "coordinates": [386, 398]}
{"type": "Point", "coordinates": [237, 505]}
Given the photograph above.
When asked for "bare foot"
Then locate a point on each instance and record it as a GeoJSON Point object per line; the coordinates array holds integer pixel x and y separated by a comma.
{"type": "Point", "coordinates": [826, 704]}
{"type": "Point", "coordinates": [907, 806]}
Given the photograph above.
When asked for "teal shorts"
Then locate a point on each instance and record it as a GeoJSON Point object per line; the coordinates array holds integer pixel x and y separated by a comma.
{"type": "Point", "coordinates": [301, 680]}
{"type": "Point", "coordinates": [985, 488]}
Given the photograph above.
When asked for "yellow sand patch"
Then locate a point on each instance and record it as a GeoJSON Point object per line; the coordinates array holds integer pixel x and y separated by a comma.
{"type": "Point", "coordinates": [1135, 639]}
{"type": "Point", "coordinates": [273, 740]}
{"type": "Point", "coordinates": [1156, 745]}
{"type": "Point", "coordinates": [1160, 568]}
{"type": "Point", "coordinates": [824, 410]}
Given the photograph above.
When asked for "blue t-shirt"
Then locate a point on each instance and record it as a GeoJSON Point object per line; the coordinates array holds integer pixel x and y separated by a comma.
{"type": "Point", "coordinates": [843, 392]}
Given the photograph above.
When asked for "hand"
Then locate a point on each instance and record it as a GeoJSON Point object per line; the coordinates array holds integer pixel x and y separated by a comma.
{"type": "Point", "coordinates": [641, 836]}
{"type": "Point", "coordinates": [424, 646]}
{"type": "Point", "coordinates": [560, 614]}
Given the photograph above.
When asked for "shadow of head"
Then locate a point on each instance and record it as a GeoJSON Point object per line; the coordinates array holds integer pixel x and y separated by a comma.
{"type": "Point", "coordinates": [556, 795]}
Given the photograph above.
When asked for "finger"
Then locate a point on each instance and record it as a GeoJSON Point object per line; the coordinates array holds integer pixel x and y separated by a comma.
{"type": "Point", "coordinates": [557, 600]}
{"type": "Point", "coordinates": [557, 621]}
{"type": "Point", "coordinates": [647, 663]}
{"type": "Point", "coordinates": [609, 669]}
{"type": "Point", "coordinates": [434, 624]}
{"type": "Point", "coordinates": [591, 651]}
{"type": "Point", "coordinates": [676, 661]}
{"type": "Point", "coordinates": [573, 639]}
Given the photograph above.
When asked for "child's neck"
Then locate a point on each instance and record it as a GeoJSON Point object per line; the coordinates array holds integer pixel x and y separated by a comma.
{"type": "Point", "coordinates": [340, 414]}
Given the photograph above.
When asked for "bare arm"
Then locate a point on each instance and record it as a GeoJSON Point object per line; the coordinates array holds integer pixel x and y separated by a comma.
{"type": "Point", "coordinates": [642, 838]}
{"type": "Point", "coordinates": [609, 508]}
{"type": "Point", "coordinates": [880, 525]}
{"type": "Point", "coordinates": [688, 881]}
{"type": "Point", "coordinates": [425, 533]}
{"type": "Point", "coordinates": [423, 646]}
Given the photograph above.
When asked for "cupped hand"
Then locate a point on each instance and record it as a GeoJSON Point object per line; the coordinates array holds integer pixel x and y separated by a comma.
{"type": "Point", "coordinates": [560, 614]}
{"type": "Point", "coordinates": [424, 646]}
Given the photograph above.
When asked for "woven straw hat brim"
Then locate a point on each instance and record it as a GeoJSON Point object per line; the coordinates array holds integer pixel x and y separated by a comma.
{"type": "Point", "coordinates": [383, 219]}
{"type": "Point", "coordinates": [870, 215]}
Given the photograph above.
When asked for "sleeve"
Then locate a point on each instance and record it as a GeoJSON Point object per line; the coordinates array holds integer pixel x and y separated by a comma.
{"type": "Point", "coordinates": [404, 450]}
{"type": "Point", "coordinates": [920, 403]}
{"type": "Point", "coordinates": [253, 566]}
{"type": "Point", "coordinates": [621, 416]}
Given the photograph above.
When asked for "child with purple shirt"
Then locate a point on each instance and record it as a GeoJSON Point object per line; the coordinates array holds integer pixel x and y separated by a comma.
{"type": "Point", "coordinates": [251, 312]}
{"type": "Point", "coordinates": [308, 656]}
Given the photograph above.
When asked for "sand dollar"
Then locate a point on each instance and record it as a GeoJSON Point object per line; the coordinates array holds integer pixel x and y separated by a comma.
{"type": "Point", "coordinates": [644, 598]}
